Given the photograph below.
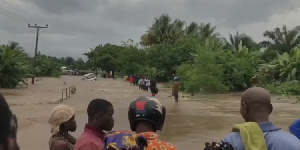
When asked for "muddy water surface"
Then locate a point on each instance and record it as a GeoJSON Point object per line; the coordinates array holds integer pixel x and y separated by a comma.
{"type": "Point", "coordinates": [190, 123]}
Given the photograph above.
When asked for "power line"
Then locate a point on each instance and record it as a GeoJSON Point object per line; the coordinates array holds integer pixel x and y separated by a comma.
{"type": "Point", "coordinates": [22, 12]}
{"type": "Point", "coordinates": [11, 15]}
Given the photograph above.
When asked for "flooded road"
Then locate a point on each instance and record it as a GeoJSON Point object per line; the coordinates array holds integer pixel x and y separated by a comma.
{"type": "Point", "coordinates": [190, 123]}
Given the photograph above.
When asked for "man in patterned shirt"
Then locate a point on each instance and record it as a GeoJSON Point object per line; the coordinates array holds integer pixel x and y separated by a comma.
{"type": "Point", "coordinates": [147, 115]}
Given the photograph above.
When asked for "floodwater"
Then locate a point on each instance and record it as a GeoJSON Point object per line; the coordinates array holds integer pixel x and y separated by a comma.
{"type": "Point", "coordinates": [189, 124]}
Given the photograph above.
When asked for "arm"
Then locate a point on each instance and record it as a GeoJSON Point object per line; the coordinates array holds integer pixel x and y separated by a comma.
{"type": "Point", "coordinates": [235, 140]}
{"type": "Point", "coordinates": [89, 147]}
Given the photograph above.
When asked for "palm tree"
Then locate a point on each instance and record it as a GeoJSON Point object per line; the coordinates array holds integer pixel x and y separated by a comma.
{"type": "Point", "coordinates": [176, 30]}
{"type": "Point", "coordinates": [163, 30]}
{"type": "Point", "coordinates": [158, 31]}
{"type": "Point", "coordinates": [192, 29]}
{"type": "Point", "coordinates": [236, 39]}
{"type": "Point", "coordinates": [282, 40]}
{"type": "Point", "coordinates": [14, 65]}
{"type": "Point", "coordinates": [207, 30]}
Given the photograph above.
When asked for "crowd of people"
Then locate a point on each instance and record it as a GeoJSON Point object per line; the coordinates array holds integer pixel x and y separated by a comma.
{"type": "Point", "coordinates": [143, 82]}
{"type": "Point", "coordinates": [146, 84]}
{"type": "Point", "coordinates": [146, 116]}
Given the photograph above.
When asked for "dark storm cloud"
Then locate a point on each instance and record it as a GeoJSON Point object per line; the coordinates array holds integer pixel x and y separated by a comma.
{"type": "Point", "coordinates": [77, 25]}
{"type": "Point", "coordinates": [67, 6]}
{"type": "Point", "coordinates": [125, 14]}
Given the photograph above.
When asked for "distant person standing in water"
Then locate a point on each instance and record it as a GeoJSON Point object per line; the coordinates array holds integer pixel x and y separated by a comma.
{"type": "Point", "coordinates": [175, 89]}
{"type": "Point", "coordinates": [62, 121]}
{"type": "Point", "coordinates": [145, 84]}
{"type": "Point", "coordinates": [148, 84]}
{"type": "Point", "coordinates": [141, 83]}
{"type": "Point", "coordinates": [135, 80]}
{"type": "Point", "coordinates": [153, 87]}
{"type": "Point", "coordinates": [131, 80]}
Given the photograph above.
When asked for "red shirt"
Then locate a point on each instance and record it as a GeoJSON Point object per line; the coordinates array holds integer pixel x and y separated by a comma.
{"type": "Point", "coordinates": [91, 139]}
{"type": "Point", "coordinates": [155, 144]}
{"type": "Point", "coordinates": [131, 79]}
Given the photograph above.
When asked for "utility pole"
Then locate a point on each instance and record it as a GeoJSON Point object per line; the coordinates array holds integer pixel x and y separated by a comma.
{"type": "Point", "coordinates": [36, 42]}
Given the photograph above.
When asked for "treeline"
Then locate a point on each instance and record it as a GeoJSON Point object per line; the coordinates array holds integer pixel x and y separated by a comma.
{"type": "Point", "coordinates": [204, 60]}
{"type": "Point", "coordinates": [16, 65]}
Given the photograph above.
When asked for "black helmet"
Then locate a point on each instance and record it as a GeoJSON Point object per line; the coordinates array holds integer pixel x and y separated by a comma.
{"type": "Point", "coordinates": [146, 109]}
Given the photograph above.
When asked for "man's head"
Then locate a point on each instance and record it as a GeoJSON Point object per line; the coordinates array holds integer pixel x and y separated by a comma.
{"type": "Point", "coordinates": [62, 118]}
{"type": "Point", "coordinates": [5, 125]}
{"type": "Point", "coordinates": [256, 105]}
{"type": "Point", "coordinates": [5, 118]}
{"type": "Point", "coordinates": [175, 79]}
{"type": "Point", "coordinates": [146, 114]}
{"type": "Point", "coordinates": [100, 113]}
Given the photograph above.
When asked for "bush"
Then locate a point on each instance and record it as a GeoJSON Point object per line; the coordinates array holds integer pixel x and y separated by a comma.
{"type": "Point", "coordinates": [205, 74]}
{"type": "Point", "coordinates": [285, 88]}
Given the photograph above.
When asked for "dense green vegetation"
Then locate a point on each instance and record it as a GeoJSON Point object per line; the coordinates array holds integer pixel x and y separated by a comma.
{"type": "Point", "coordinates": [16, 66]}
{"type": "Point", "coordinates": [203, 59]}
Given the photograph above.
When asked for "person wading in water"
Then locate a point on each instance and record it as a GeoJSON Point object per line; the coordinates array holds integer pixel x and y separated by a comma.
{"type": "Point", "coordinates": [175, 89]}
{"type": "Point", "coordinates": [62, 121]}
{"type": "Point", "coordinates": [153, 87]}
{"type": "Point", "coordinates": [146, 115]}
{"type": "Point", "coordinates": [131, 80]}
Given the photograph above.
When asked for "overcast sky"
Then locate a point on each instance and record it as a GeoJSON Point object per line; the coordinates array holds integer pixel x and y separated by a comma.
{"type": "Point", "coordinates": [75, 26]}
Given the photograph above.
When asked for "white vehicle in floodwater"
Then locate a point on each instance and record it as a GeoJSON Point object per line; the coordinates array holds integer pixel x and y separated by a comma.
{"type": "Point", "coordinates": [64, 69]}
{"type": "Point", "coordinates": [89, 77]}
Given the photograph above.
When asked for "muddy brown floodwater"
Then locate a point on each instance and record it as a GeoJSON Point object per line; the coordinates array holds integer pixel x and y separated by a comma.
{"type": "Point", "coordinates": [188, 124]}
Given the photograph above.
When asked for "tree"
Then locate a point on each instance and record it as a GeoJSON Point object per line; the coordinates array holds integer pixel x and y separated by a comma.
{"type": "Point", "coordinates": [47, 66]}
{"type": "Point", "coordinates": [205, 74]}
{"type": "Point", "coordinates": [163, 30]}
{"type": "Point", "coordinates": [207, 30]}
{"type": "Point", "coordinates": [14, 66]}
{"type": "Point", "coordinates": [79, 64]}
{"type": "Point", "coordinates": [239, 67]}
{"type": "Point", "coordinates": [282, 40]}
{"type": "Point", "coordinates": [235, 40]}
{"type": "Point", "coordinates": [69, 61]}
{"type": "Point", "coordinates": [105, 57]}
{"type": "Point", "coordinates": [132, 59]}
